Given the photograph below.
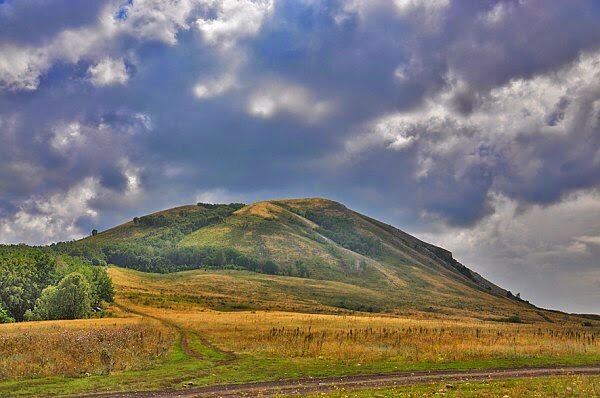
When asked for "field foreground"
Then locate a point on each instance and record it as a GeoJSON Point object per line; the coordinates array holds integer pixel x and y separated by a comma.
{"type": "Point", "coordinates": [344, 384]}
{"type": "Point", "coordinates": [167, 338]}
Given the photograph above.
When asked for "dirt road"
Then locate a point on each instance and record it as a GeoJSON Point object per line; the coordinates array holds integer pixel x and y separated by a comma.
{"type": "Point", "coordinates": [327, 384]}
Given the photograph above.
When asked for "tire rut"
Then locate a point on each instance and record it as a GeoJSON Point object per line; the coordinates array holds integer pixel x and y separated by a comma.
{"type": "Point", "coordinates": [356, 382]}
{"type": "Point", "coordinates": [185, 345]}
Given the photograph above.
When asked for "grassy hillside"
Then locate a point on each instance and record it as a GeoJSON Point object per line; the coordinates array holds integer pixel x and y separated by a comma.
{"type": "Point", "coordinates": [316, 251]}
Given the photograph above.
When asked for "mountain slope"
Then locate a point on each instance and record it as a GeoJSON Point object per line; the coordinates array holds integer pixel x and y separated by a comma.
{"type": "Point", "coordinates": [330, 247]}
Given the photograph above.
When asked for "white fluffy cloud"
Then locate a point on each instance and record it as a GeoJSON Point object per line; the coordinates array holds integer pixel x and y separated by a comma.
{"type": "Point", "coordinates": [158, 20]}
{"type": "Point", "coordinates": [83, 147]}
{"type": "Point", "coordinates": [217, 195]}
{"type": "Point", "coordinates": [406, 7]}
{"type": "Point", "coordinates": [43, 219]}
{"type": "Point", "coordinates": [108, 72]}
{"type": "Point", "coordinates": [425, 13]}
{"type": "Point", "coordinates": [228, 24]}
{"type": "Point", "coordinates": [215, 87]}
{"type": "Point", "coordinates": [273, 98]}
{"type": "Point", "coordinates": [22, 66]}
{"type": "Point", "coordinates": [70, 135]}
{"type": "Point", "coordinates": [66, 136]}
{"type": "Point", "coordinates": [235, 20]}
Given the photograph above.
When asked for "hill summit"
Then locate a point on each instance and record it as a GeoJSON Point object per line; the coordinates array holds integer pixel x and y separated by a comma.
{"type": "Point", "coordinates": [310, 241]}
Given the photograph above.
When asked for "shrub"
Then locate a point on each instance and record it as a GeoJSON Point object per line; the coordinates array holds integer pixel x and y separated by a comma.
{"type": "Point", "coordinates": [514, 319]}
{"type": "Point", "coordinates": [4, 315]}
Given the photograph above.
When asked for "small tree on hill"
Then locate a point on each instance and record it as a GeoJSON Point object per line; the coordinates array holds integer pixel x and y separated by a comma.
{"type": "Point", "coordinates": [269, 267]}
{"type": "Point", "coordinates": [221, 260]}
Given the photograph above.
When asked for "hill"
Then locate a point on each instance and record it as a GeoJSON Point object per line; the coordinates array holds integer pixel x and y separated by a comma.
{"type": "Point", "coordinates": [315, 251]}
{"type": "Point", "coordinates": [289, 289]}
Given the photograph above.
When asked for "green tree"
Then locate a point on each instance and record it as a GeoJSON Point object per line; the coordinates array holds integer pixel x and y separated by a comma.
{"type": "Point", "coordinates": [18, 285]}
{"type": "Point", "coordinates": [221, 260]}
{"type": "Point", "coordinates": [269, 267]}
{"type": "Point", "coordinates": [46, 306]}
{"type": "Point", "coordinates": [4, 315]}
{"type": "Point", "coordinates": [71, 299]}
{"type": "Point", "coordinates": [301, 269]}
{"type": "Point", "coordinates": [102, 286]}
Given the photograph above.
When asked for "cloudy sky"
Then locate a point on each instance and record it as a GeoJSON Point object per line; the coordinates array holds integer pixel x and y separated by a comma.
{"type": "Point", "coordinates": [473, 124]}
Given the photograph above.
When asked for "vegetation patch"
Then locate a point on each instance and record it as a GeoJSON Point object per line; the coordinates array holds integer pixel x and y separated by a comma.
{"type": "Point", "coordinates": [37, 284]}
{"type": "Point", "coordinates": [81, 348]}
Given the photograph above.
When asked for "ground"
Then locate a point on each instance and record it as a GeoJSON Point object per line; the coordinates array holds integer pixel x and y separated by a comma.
{"type": "Point", "coordinates": [212, 342]}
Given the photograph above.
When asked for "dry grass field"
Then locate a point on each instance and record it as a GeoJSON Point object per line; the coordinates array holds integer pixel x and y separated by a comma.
{"type": "Point", "coordinates": [358, 338]}
{"type": "Point", "coordinates": [372, 338]}
{"type": "Point", "coordinates": [80, 347]}
{"type": "Point", "coordinates": [189, 327]}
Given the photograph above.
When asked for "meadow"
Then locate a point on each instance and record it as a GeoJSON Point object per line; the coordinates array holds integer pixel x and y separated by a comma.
{"type": "Point", "coordinates": [82, 347]}
{"type": "Point", "coordinates": [290, 330]}
{"type": "Point", "coordinates": [184, 329]}
{"type": "Point", "coordinates": [365, 338]}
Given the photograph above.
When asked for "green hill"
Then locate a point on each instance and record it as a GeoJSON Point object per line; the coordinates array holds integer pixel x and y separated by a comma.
{"type": "Point", "coordinates": [309, 248]}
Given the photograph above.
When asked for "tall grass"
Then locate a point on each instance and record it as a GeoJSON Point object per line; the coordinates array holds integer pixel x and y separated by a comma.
{"type": "Point", "coordinates": [372, 338]}
{"type": "Point", "coordinates": [75, 348]}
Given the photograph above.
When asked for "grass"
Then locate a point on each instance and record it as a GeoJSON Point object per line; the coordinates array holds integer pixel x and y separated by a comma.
{"type": "Point", "coordinates": [372, 338]}
{"type": "Point", "coordinates": [81, 347]}
{"type": "Point", "coordinates": [304, 337]}
{"type": "Point", "coordinates": [569, 386]}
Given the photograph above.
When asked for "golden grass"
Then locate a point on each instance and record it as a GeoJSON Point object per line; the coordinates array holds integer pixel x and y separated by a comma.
{"type": "Point", "coordinates": [266, 210]}
{"type": "Point", "coordinates": [220, 290]}
{"type": "Point", "coordinates": [71, 348]}
{"type": "Point", "coordinates": [374, 338]}
{"type": "Point", "coordinates": [292, 337]}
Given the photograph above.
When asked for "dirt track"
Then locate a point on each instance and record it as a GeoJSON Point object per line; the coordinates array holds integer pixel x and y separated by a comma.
{"type": "Point", "coordinates": [319, 385]}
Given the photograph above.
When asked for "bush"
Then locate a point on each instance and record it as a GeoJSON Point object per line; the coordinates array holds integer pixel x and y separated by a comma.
{"type": "Point", "coordinates": [514, 319]}
{"type": "Point", "coordinates": [5, 316]}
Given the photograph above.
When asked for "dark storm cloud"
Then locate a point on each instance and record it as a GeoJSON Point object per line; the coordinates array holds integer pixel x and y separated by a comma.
{"type": "Point", "coordinates": [422, 109]}
{"type": "Point", "coordinates": [522, 40]}
{"type": "Point", "coordinates": [369, 60]}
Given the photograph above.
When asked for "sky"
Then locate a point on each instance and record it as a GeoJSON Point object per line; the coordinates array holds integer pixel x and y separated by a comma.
{"type": "Point", "coordinates": [471, 124]}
